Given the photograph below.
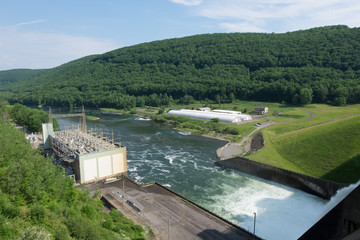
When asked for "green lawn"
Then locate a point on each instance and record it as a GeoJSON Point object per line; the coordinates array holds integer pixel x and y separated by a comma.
{"type": "Point", "coordinates": [328, 151]}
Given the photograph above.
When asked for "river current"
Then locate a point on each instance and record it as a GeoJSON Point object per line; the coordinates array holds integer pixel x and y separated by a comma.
{"type": "Point", "coordinates": [185, 164]}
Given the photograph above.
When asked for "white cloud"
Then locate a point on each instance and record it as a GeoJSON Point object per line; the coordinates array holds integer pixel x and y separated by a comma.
{"type": "Point", "coordinates": [241, 27]}
{"type": "Point", "coordinates": [279, 15]}
{"type": "Point", "coordinates": [30, 22]}
{"type": "Point", "coordinates": [187, 2]}
{"type": "Point", "coordinates": [21, 49]}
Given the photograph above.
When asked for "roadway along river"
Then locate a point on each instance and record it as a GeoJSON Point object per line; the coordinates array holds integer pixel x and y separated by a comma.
{"type": "Point", "coordinates": [185, 163]}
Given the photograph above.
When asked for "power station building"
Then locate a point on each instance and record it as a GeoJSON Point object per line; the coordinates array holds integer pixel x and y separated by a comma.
{"type": "Point", "coordinates": [91, 156]}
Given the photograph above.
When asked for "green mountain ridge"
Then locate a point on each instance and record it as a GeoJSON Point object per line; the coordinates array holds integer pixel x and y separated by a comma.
{"type": "Point", "coordinates": [323, 63]}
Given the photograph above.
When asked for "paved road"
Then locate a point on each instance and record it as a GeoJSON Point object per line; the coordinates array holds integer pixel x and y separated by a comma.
{"type": "Point", "coordinates": [232, 149]}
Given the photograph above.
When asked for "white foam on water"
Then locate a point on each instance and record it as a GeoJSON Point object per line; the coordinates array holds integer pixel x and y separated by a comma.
{"type": "Point", "coordinates": [146, 139]}
{"type": "Point", "coordinates": [211, 169]}
{"type": "Point", "coordinates": [184, 133]}
{"type": "Point", "coordinates": [281, 212]}
{"type": "Point", "coordinates": [142, 119]}
{"type": "Point", "coordinates": [195, 165]}
{"type": "Point", "coordinates": [138, 178]}
{"type": "Point", "coordinates": [166, 185]}
{"type": "Point", "coordinates": [163, 170]}
{"type": "Point", "coordinates": [133, 169]}
{"type": "Point", "coordinates": [170, 158]}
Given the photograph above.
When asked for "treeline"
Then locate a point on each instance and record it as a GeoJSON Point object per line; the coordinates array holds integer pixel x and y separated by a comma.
{"type": "Point", "coordinates": [37, 200]}
{"type": "Point", "coordinates": [320, 65]}
{"type": "Point", "coordinates": [29, 118]}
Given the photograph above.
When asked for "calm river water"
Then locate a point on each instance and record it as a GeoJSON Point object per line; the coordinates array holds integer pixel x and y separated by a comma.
{"type": "Point", "coordinates": [185, 163]}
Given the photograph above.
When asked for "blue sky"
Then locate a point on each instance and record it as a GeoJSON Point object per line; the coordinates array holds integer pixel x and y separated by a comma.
{"type": "Point", "coordinates": [44, 34]}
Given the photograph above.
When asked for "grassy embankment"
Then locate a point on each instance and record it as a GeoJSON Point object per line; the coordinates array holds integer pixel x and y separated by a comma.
{"type": "Point", "coordinates": [316, 147]}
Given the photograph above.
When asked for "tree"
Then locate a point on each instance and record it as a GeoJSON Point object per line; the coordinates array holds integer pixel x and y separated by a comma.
{"type": "Point", "coordinates": [187, 99]}
{"type": "Point", "coordinates": [295, 99]}
{"type": "Point", "coordinates": [305, 96]}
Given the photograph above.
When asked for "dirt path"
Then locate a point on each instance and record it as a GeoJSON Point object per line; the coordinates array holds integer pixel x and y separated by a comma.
{"type": "Point", "coordinates": [328, 121]}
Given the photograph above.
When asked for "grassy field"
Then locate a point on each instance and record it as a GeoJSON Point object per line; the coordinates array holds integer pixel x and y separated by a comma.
{"type": "Point", "coordinates": [323, 145]}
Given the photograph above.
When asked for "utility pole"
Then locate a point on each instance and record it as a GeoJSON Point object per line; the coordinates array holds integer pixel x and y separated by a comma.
{"type": "Point", "coordinates": [124, 188]}
{"type": "Point", "coordinates": [169, 229]}
{"type": "Point", "coordinates": [84, 119]}
{"type": "Point", "coordinates": [254, 223]}
{"type": "Point", "coordinates": [50, 116]}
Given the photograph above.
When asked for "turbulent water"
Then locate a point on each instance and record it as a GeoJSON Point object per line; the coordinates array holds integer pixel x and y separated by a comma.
{"type": "Point", "coordinates": [185, 163]}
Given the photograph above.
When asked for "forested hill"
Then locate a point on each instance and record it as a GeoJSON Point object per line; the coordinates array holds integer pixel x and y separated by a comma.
{"type": "Point", "coordinates": [316, 65]}
{"type": "Point", "coordinates": [10, 77]}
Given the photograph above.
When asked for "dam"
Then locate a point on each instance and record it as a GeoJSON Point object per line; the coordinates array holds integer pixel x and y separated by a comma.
{"type": "Point", "coordinates": [185, 164]}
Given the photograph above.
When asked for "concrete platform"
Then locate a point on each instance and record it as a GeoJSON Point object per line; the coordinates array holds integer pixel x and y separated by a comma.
{"type": "Point", "coordinates": [168, 215]}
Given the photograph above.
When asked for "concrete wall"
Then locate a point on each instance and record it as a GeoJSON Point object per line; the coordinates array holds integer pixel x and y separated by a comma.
{"type": "Point", "coordinates": [101, 165]}
{"type": "Point", "coordinates": [189, 201]}
{"type": "Point", "coordinates": [319, 187]}
{"type": "Point", "coordinates": [47, 131]}
{"type": "Point", "coordinates": [339, 222]}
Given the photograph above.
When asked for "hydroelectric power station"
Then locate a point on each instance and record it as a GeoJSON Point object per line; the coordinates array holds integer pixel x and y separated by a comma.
{"type": "Point", "coordinates": [91, 156]}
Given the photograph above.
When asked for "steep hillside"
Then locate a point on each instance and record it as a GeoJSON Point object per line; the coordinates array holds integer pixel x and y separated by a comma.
{"type": "Point", "coordinates": [316, 65]}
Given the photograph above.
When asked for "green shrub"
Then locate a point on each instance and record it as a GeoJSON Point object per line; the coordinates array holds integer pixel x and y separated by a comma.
{"type": "Point", "coordinates": [6, 230]}
{"type": "Point", "coordinates": [38, 213]}
{"type": "Point", "coordinates": [89, 211]}
{"type": "Point", "coordinates": [215, 120]}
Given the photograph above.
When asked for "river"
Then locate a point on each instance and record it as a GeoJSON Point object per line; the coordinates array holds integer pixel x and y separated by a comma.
{"type": "Point", "coordinates": [185, 164]}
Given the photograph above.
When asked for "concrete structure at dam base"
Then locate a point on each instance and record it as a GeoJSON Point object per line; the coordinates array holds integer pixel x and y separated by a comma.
{"type": "Point", "coordinates": [315, 186]}
{"type": "Point", "coordinates": [341, 222]}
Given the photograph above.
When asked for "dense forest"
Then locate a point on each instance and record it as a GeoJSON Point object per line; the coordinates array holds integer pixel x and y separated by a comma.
{"type": "Point", "coordinates": [10, 77]}
{"type": "Point", "coordinates": [319, 65]}
{"type": "Point", "coordinates": [37, 200]}
{"type": "Point", "coordinates": [30, 119]}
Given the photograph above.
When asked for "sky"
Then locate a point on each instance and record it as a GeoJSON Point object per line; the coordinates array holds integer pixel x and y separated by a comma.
{"type": "Point", "coordinates": [41, 34]}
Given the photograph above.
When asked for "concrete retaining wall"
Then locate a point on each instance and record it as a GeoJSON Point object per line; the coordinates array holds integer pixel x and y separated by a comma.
{"type": "Point", "coordinates": [319, 187]}
{"type": "Point", "coordinates": [342, 220]}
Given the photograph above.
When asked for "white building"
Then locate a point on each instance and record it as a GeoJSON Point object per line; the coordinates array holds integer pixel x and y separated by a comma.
{"type": "Point", "coordinates": [222, 115]}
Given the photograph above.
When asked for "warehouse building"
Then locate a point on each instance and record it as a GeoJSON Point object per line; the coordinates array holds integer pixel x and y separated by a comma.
{"type": "Point", "coordinates": [261, 110]}
{"type": "Point", "coordinates": [222, 115]}
{"type": "Point", "coordinates": [91, 156]}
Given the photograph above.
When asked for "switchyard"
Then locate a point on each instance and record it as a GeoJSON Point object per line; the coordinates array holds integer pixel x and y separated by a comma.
{"type": "Point", "coordinates": [91, 156]}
